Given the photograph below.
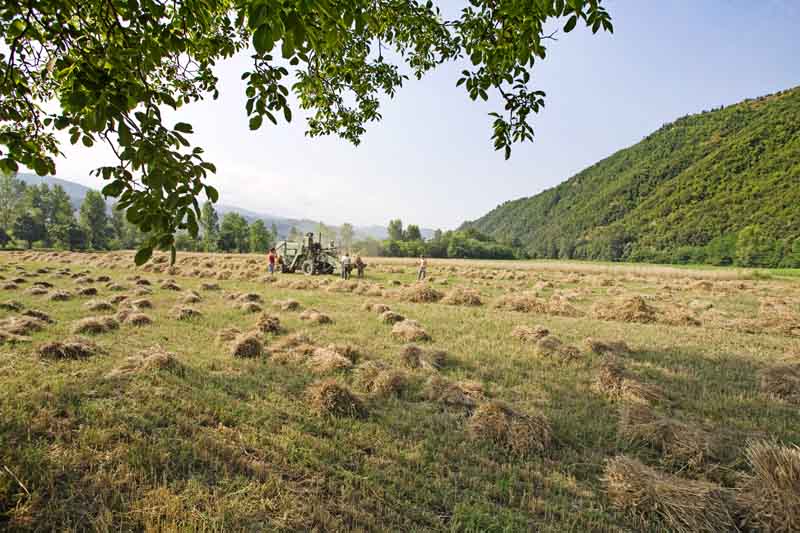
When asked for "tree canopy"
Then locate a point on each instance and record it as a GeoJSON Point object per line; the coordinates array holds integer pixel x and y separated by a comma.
{"type": "Point", "coordinates": [114, 65]}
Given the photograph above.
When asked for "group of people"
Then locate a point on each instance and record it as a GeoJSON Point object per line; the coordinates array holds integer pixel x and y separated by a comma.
{"type": "Point", "coordinates": [348, 264]}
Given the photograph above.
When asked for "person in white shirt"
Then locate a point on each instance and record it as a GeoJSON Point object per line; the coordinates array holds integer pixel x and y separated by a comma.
{"type": "Point", "coordinates": [346, 266]}
{"type": "Point", "coordinates": [423, 264]}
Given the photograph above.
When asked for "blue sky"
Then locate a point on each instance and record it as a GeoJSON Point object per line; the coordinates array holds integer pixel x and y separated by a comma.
{"type": "Point", "coordinates": [430, 161]}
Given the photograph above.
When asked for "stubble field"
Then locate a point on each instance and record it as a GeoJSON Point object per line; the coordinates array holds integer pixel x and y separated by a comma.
{"type": "Point", "coordinates": [493, 397]}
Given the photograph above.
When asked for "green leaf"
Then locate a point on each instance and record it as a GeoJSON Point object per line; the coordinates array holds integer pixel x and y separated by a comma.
{"type": "Point", "coordinates": [183, 127]}
{"type": "Point", "coordinates": [212, 194]}
{"type": "Point", "coordinates": [143, 255]}
{"type": "Point", "coordinates": [125, 137]}
{"type": "Point", "coordinates": [262, 39]}
{"type": "Point", "coordinates": [570, 25]}
{"type": "Point", "coordinates": [255, 122]}
{"type": "Point", "coordinates": [113, 189]}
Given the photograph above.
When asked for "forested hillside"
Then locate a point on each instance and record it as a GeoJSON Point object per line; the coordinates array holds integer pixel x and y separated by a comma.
{"type": "Point", "coordinates": [719, 187]}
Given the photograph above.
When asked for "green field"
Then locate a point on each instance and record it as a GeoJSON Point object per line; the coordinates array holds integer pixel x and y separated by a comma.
{"type": "Point", "coordinates": [159, 427]}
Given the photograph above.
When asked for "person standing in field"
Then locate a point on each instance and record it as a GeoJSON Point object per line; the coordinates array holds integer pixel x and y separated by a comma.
{"type": "Point", "coordinates": [346, 266]}
{"type": "Point", "coordinates": [423, 265]}
{"type": "Point", "coordinates": [360, 266]}
{"type": "Point", "coordinates": [271, 260]}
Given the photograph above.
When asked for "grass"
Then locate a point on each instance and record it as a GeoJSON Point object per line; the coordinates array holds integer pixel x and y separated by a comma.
{"type": "Point", "coordinates": [214, 442]}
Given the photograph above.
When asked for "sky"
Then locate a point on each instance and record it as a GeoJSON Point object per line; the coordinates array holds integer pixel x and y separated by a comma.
{"type": "Point", "coordinates": [430, 160]}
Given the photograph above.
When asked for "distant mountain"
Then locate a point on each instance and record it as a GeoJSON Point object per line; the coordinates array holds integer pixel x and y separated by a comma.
{"type": "Point", "coordinates": [77, 193]}
{"type": "Point", "coordinates": [683, 194]}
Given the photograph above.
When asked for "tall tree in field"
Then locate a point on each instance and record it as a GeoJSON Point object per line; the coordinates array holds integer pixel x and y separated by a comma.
{"type": "Point", "coordinates": [94, 220]}
{"type": "Point", "coordinates": [260, 237]}
{"type": "Point", "coordinates": [59, 207]}
{"type": "Point", "coordinates": [12, 196]}
{"type": "Point", "coordinates": [69, 235]}
{"type": "Point", "coordinates": [233, 233]}
{"type": "Point", "coordinates": [412, 233]}
{"type": "Point", "coordinates": [27, 228]}
{"type": "Point", "coordinates": [346, 233]}
{"type": "Point", "coordinates": [395, 230]}
{"type": "Point", "coordinates": [294, 234]}
{"type": "Point", "coordinates": [113, 65]}
{"type": "Point", "coordinates": [209, 222]}
{"type": "Point", "coordinates": [5, 238]}
{"type": "Point", "coordinates": [274, 231]}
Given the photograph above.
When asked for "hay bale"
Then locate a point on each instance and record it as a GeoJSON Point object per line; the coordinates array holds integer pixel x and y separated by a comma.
{"type": "Point", "coordinates": [529, 334]}
{"type": "Point", "coordinates": [116, 287]}
{"type": "Point", "coordinates": [209, 286]}
{"type": "Point", "coordinates": [38, 315]}
{"type": "Point", "coordinates": [422, 293]}
{"type": "Point", "coordinates": [458, 394]}
{"type": "Point", "coordinates": [87, 291]}
{"type": "Point", "coordinates": [523, 302]}
{"type": "Point", "coordinates": [181, 312]}
{"type": "Point", "coordinates": [287, 305]}
{"type": "Point", "coordinates": [769, 496]}
{"type": "Point", "coordinates": [11, 338]}
{"type": "Point", "coordinates": [154, 358]}
{"type": "Point", "coordinates": [191, 297]}
{"type": "Point", "coordinates": [682, 505]}
{"type": "Point", "coordinates": [98, 305]}
{"type": "Point", "coordinates": [247, 344]}
{"type": "Point", "coordinates": [615, 381]}
{"type": "Point", "coordinates": [380, 380]}
{"type": "Point", "coordinates": [138, 319]}
{"type": "Point", "coordinates": [94, 325]}
{"type": "Point", "coordinates": [60, 296]}
{"type": "Point", "coordinates": [250, 297]}
{"type": "Point", "coordinates": [11, 306]}
{"type": "Point", "coordinates": [268, 324]}
{"type": "Point", "coordinates": [411, 356]}
{"type": "Point", "coordinates": [463, 296]}
{"type": "Point", "coordinates": [118, 299]}
{"type": "Point", "coordinates": [606, 347]}
{"type": "Point", "coordinates": [329, 398]}
{"type": "Point", "coordinates": [21, 325]}
{"type": "Point", "coordinates": [226, 335]}
{"type": "Point", "coordinates": [390, 317]}
{"type": "Point", "coordinates": [681, 444]}
{"type": "Point", "coordinates": [103, 279]}
{"type": "Point", "coordinates": [550, 346]}
{"type": "Point", "coordinates": [75, 348]}
{"type": "Point", "coordinates": [170, 285]}
{"type": "Point", "coordinates": [9, 286]}
{"type": "Point", "coordinates": [782, 381]}
{"type": "Point", "coordinates": [142, 303]}
{"type": "Point", "coordinates": [409, 331]}
{"type": "Point", "coordinates": [250, 307]}
{"type": "Point", "coordinates": [36, 291]}
{"type": "Point", "coordinates": [519, 433]}
{"type": "Point", "coordinates": [315, 317]}
{"type": "Point", "coordinates": [633, 309]}
{"type": "Point", "coordinates": [325, 360]}
{"type": "Point", "coordinates": [346, 350]}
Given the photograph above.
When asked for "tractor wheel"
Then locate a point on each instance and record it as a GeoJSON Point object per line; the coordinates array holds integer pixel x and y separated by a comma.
{"type": "Point", "coordinates": [308, 268]}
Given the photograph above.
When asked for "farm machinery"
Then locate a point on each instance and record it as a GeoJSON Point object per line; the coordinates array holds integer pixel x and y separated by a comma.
{"type": "Point", "coordinates": [309, 256]}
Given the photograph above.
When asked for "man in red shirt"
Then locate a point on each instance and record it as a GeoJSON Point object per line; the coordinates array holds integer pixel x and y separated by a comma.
{"type": "Point", "coordinates": [271, 256]}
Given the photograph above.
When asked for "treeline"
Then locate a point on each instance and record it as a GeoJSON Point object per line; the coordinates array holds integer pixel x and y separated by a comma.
{"type": "Point", "coordinates": [408, 242]}
{"type": "Point", "coordinates": [39, 215]}
{"type": "Point", "coordinates": [232, 233]}
{"type": "Point", "coordinates": [721, 187]}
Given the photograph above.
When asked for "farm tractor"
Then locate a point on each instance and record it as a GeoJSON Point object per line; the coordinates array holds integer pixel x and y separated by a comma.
{"type": "Point", "coordinates": [309, 257]}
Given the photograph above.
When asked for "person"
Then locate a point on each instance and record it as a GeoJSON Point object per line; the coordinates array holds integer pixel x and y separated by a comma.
{"type": "Point", "coordinates": [423, 264]}
{"type": "Point", "coordinates": [271, 260]}
{"type": "Point", "coordinates": [346, 266]}
{"type": "Point", "coordinates": [360, 266]}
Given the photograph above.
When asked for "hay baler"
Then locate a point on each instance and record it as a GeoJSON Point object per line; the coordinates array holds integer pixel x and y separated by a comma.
{"type": "Point", "coordinates": [309, 257]}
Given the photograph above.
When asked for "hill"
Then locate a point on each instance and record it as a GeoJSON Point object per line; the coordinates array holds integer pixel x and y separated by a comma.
{"type": "Point", "coordinates": [718, 187]}
{"type": "Point", "coordinates": [77, 193]}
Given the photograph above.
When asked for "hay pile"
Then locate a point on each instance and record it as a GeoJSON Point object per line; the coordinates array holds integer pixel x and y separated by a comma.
{"type": "Point", "coordinates": [782, 381]}
{"type": "Point", "coordinates": [551, 347]}
{"type": "Point", "coordinates": [615, 381]}
{"type": "Point", "coordinates": [519, 433]}
{"type": "Point", "coordinates": [633, 309]}
{"type": "Point", "coordinates": [11, 338]}
{"type": "Point", "coordinates": [118, 299]}
{"type": "Point", "coordinates": [409, 331]}
{"type": "Point", "coordinates": [606, 347]}
{"type": "Point", "coordinates": [329, 398]}
{"type": "Point", "coordinates": [250, 297]}
{"type": "Point", "coordinates": [87, 291]}
{"type": "Point", "coordinates": [682, 444]}
{"type": "Point", "coordinates": [94, 325]}
{"type": "Point", "coordinates": [38, 315]}
{"type": "Point", "coordinates": [154, 358]}
{"type": "Point", "coordinates": [11, 306]}
{"type": "Point", "coordinates": [287, 305]}
{"type": "Point", "coordinates": [191, 297]}
{"type": "Point", "coordinates": [209, 286]}
{"type": "Point", "coordinates": [315, 317]}
{"type": "Point", "coordinates": [36, 291]}
{"type": "Point", "coordinates": [462, 296]}
{"type": "Point", "coordinates": [325, 360]}
{"type": "Point", "coordinates": [295, 348]}
{"type": "Point", "coordinates": [249, 307]}
{"type": "Point", "coordinates": [21, 325]}
{"type": "Point", "coordinates": [60, 296]}
{"type": "Point", "coordinates": [458, 394]}
{"type": "Point", "coordinates": [378, 308]}
{"type": "Point", "coordinates": [181, 312]}
{"type": "Point", "coordinates": [247, 344]}
{"type": "Point", "coordinates": [98, 305]}
{"type": "Point", "coordinates": [560, 306]}
{"type": "Point", "coordinates": [381, 381]}
{"type": "Point", "coordinates": [138, 320]}
{"type": "Point", "coordinates": [142, 303]}
{"type": "Point", "coordinates": [75, 348]}
{"type": "Point", "coordinates": [523, 302]}
{"type": "Point", "coordinates": [529, 334]}
{"type": "Point", "coordinates": [390, 317]}
{"type": "Point", "coordinates": [682, 505]}
{"type": "Point", "coordinates": [9, 286]}
{"type": "Point", "coordinates": [268, 324]}
{"type": "Point", "coordinates": [170, 285]}
{"type": "Point", "coordinates": [226, 335]}
{"type": "Point", "coordinates": [770, 496]}
{"type": "Point", "coordinates": [421, 293]}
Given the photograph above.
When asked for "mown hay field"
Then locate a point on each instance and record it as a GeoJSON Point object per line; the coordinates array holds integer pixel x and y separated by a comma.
{"type": "Point", "coordinates": [493, 397]}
